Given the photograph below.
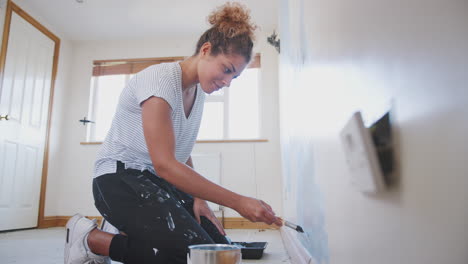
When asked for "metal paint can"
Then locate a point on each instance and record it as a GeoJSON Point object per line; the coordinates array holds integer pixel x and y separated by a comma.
{"type": "Point", "coordinates": [214, 254]}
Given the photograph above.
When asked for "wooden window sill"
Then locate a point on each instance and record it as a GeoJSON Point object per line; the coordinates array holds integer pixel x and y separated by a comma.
{"type": "Point", "coordinates": [200, 141]}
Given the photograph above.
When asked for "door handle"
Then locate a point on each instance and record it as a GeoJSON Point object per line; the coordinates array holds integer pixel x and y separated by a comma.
{"type": "Point", "coordinates": [4, 117]}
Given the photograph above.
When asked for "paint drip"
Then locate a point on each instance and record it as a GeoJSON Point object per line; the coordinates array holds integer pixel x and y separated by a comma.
{"type": "Point", "coordinates": [170, 222]}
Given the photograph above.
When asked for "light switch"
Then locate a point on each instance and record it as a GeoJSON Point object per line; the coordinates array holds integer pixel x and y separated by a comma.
{"type": "Point", "coordinates": [361, 156]}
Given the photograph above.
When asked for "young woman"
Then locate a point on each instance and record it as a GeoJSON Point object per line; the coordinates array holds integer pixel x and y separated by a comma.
{"type": "Point", "coordinates": [144, 184]}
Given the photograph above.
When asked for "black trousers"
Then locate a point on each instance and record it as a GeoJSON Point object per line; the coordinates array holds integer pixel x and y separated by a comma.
{"type": "Point", "coordinates": [157, 218]}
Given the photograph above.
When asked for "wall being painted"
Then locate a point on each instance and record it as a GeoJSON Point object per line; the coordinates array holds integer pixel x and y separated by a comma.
{"type": "Point", "coordinates": [339, 57]}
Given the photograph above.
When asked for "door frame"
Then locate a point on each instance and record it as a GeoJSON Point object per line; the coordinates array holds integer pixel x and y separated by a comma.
{"type": "Point", "coordinates": [12, 7]}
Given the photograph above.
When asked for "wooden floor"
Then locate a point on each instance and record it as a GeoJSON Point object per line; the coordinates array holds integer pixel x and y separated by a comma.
{"type": "Point", "coordinates": [45, 246]}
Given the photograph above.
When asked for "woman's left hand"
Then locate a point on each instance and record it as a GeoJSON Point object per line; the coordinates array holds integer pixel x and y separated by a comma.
{"type": "Point", "coordinates": [201, 208]}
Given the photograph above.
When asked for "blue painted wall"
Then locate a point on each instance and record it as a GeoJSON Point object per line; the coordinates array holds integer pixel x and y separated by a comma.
{"type": "Point", "coordinates": [341, 56]}
{"type": "Point", "coordinates": [303, 199]}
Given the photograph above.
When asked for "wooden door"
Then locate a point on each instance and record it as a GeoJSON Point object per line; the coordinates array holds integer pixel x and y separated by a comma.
{"type": "Point", "coordinates": [24, 111]}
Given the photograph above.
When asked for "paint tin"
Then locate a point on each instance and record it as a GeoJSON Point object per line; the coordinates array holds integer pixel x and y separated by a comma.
{"type": "Point", "coordinates": [214, 254]}
{"type": "Point", "coordinates": [251, 250]}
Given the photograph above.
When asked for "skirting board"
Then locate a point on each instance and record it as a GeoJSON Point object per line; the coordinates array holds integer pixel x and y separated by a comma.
{"type": "Point", "coordinates": [228, 222]}
{"type": "Point", "coordinates": [294, 247]}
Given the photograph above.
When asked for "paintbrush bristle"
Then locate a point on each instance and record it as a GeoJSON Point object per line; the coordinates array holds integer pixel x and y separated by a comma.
{"type": "Point", "coordinates": [299, 229]}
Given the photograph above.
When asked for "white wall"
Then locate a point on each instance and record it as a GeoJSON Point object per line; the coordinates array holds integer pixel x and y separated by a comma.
{"type": "Point", "coordinates": [58, 104]}
{"type": "Point", "coordinates": [342, 56]}
{"type": "Point", "coordinates": [77, 161]}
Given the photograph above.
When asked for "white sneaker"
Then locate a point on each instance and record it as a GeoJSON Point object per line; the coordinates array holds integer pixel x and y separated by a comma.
{"type": "Point", "coordinates": [108, 227]}
{"type": "Point", "coordinates": [76, 252]}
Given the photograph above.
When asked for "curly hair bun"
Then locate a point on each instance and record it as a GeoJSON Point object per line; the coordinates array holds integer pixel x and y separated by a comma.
{"type": "Point", "coordinates": [233, 19]}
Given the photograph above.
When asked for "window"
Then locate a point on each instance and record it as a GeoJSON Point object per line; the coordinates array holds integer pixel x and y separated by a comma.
{"type": "Point", "coordinates": [105, 92]}
{"type": "Point", "coordinates": [230, 113]}
{"type": "Point", "coordinates": [233, 113]}
{"type": "Point", "coordinates": [108, 80]}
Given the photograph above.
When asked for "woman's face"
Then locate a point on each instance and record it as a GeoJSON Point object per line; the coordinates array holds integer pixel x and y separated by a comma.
{"type": "Point", "coordinates": [216, 72]}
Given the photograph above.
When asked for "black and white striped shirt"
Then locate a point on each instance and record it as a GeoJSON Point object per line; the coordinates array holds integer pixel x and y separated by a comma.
{"type": "Point", "coordinates": [125, 141]}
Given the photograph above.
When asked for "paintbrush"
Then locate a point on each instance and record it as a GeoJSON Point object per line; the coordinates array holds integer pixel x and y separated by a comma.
{"type": "Point", "coordinates": [293, 226]}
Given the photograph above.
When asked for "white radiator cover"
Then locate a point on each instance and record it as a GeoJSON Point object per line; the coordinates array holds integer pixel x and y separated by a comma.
{"type": "Point", "coordinates": [209, 165]}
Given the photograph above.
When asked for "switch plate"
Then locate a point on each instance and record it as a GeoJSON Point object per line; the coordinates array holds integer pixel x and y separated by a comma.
{"type": "Point", "coordinates": [361, 156]}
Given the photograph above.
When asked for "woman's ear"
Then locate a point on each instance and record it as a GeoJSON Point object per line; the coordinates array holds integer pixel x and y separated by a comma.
{"type": "Point", "coordinates": [205, 49]}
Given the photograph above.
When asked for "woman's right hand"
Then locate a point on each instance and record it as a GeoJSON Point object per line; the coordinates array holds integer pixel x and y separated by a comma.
{"type": "Point", "coordinates": [257, 211]}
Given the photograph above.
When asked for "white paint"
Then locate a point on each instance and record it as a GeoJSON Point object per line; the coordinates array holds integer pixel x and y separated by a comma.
{"type": "Point", "coordinates": [359, 56]}
{"type": "Point", "coordinates": [170, 222]}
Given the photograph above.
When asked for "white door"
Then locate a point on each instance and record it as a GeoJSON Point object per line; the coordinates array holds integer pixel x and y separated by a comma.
{"type": "Point", "coordinates": [24, 97]}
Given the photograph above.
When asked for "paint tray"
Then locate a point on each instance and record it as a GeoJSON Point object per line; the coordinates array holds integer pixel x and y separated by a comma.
{"type": "Point", "coordinates": [251, 250]}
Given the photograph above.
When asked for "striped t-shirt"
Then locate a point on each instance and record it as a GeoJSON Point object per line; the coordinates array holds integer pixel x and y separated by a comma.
{"type": "Point", "coordinates": [125, 141]}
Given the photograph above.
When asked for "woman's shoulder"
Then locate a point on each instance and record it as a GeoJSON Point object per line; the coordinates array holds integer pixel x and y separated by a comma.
{"type": "Point", "coordinates": [165, 74]}
{"type": "Point", "coordinates": [165, 69]}
{"type": "Point", "coordinates": [159, 80]}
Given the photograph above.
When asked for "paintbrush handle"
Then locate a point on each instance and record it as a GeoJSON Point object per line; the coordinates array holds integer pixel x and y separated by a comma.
{"type": "Point", "coordinates": [289, 224]}
{"type": "Point", "coordinates": [293, 226]}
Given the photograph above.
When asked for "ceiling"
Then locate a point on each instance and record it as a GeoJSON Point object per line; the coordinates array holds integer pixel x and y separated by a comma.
{"type": "Point", "coordinates": [124, 19]}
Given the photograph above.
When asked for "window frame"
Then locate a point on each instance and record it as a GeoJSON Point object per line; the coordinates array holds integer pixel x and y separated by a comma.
{"type": "Point", "coordinates": [132, 66]}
